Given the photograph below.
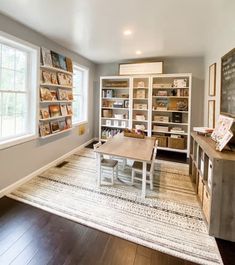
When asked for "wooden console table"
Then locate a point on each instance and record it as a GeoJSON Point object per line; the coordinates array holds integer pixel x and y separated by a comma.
{"type": "Point", "coordinates": [213, 173]}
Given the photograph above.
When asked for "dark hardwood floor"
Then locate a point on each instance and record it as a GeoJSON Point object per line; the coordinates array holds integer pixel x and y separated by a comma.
{"type": "Point", "coordinates": [32, 236]}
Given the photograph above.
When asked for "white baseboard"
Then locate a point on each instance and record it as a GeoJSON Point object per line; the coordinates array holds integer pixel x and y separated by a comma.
{"type": "Point", "coordinates": [18, 183]}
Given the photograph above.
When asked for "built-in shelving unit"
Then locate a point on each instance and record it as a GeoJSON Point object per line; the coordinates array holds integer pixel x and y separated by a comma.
{"type": "Point", "coordinates": [56, 96]}
{"type": "Point", "coordinates": [171, 108]}
{"type": "Point", "coordinates": [140, 103]}
{"type": "Point", "coordinates": [159, 105]}
{"type": "Point", "coordinates": [114, 105]}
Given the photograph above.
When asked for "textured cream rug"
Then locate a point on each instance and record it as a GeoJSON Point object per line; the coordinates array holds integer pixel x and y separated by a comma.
{"type": "Point", "coordinates": [169, 219]}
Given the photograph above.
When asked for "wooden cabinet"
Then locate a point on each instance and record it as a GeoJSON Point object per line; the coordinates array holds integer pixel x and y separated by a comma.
{"type": "Point", "coordinates": [213, 174]}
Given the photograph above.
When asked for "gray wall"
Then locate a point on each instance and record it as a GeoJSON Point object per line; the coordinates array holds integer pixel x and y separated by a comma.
{"type": "Point", "coordinates": [194, 65]}
{"type": "Point", "coordinates": [220, 41]}
{"type": "Point", "coordinates": [19, 161]}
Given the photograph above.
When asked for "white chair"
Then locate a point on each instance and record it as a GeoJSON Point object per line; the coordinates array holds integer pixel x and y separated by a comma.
{"type": "Point", "coordinates": [137, 167]}
{"type": "Point", "coordinates": [108, 163]}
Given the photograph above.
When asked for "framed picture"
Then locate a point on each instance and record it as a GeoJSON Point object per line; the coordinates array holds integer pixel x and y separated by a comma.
{"type": "Point", "coordinates": [45, 94]}
{"type": "Point", "coordinates": [45, 113]}
{"type": "Point", "coordinates": [211, 113]}
{"type": "Point", "coordinates": [44, 129]}
{"type": "Point", "coordinates": [212, 79]}
{"type": "Point", "coordinates": [46, 77]}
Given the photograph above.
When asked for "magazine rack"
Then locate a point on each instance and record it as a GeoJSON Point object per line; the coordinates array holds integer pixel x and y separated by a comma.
{"type": "Point", "coordinates": [56, 94]}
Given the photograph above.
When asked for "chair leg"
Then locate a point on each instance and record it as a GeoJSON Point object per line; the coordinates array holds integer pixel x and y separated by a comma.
{"type": "Point", "coordinates": [132, 176]}
{"type": "Point", "coordinates": [116, 171]}
{"type": "Point", "coordinates": [112, 180]}
{"type": "Point", "coordinates": [151, 181]}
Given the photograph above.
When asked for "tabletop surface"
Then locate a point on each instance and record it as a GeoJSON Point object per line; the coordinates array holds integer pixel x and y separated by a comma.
{"type": "Point", "coordinates": [132, 148]}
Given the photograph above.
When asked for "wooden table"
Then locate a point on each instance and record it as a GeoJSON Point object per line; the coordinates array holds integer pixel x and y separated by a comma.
{"type": "Point", "coordinates": [130, 148]}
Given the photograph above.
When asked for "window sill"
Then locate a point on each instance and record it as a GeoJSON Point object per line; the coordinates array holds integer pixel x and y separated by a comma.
{"type": "Point", "coordinates": [19, 140]}
{"type": "Point", "coordinates": [79, 123]}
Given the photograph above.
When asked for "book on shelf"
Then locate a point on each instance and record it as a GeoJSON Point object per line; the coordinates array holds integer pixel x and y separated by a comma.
{"type": "Point", "coordinates": [54, 126]}
{"type": "Point", "coordinates": [44, 129]}
{"type": "Point", "coordinates": [64, 79]}
{"type": "Point", "coordinates": [62, 60]}
{"type": "Point", "coordinates": [62, 94]}
{"type": "Point", "coordinates": [45, 113]}
{"type": "Point", "coordinates": [54, 80]}
{"type": "Point", "coordinates": [54, 110]}
{"type": "Point", "coordinates": [46, 57]}
{"type": "Point", "coordinates": [69, 109]}
{"type": "Point", "coordinates": [53, 94]}
{"type": "Point", "coordinates": [70, 95]}
{"type": "Point", "coordinates": [62, 125]}
{"type": "Point", "coordinates": [69, 64]}
{"type": "Point", "coordinates": [177, 130]}
{"type": "Point", "coordinates": [161, 104]}
{"type": "Point", "coordinates": [68, 122]}
{"type": "Point", "coordinates": [46, 77]}
{"type": "Point", "coordinates": [55, 59]}
{"type": "Point", "coordinates": [45, 94]}
{"type": "Point", "coordinates": [63, 109]}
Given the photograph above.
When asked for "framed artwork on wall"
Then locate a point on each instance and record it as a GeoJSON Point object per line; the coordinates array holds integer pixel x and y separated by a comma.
{"type": "Point", "coordinates": [211, 113]}
{"type": "Point", "coordinates": [212, 79]}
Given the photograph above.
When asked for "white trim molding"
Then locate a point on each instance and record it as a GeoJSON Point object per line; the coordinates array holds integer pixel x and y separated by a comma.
{"type": "Point", "coordinates": [18, 183]}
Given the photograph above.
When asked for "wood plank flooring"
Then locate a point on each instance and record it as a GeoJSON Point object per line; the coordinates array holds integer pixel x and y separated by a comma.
{"type": "Point", "coordinates": [31, 236]}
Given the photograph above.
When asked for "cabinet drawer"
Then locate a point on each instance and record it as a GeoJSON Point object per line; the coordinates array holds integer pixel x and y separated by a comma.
{"type": "Point", "coordinates": [206, 204]}
{"type": "Point", "coordinates": [200, 188]}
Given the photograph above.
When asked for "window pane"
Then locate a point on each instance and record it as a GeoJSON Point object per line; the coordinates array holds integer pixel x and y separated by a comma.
{"type": "Point", "coordinates": [77, 81]}
{"type": "Point", "coordinates": [8, 125]}
{"type": "Point", "coordinates": [21, 104]}
{"type": "Point", "coordinates": [21, 123]}
{"type": "Point", "coordinates": [20, 81]}
{"type": "Point", "coordinates": [8, 114]}
{"type": "Point", "coordinates": [8, 57]}
{"type": "Point", "coordinates": [76, 108]}
{"type": "Point", "coordinates": [8, 107]}
{"type": "Point", "coordinates": [21, 61]}
{"type": "Point", "coordinates": [7, 79]}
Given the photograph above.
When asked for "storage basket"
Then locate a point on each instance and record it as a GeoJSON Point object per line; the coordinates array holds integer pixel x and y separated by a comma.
{"type": "Point", "coordinates": [162, 140]}
{"type": "Point", "coordinates": [176, 143]}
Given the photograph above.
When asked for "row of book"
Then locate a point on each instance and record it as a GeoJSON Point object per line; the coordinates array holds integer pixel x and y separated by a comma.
{"type": "Point", "coordinates": [53, 59]}
{"type": "Point", "coordinates": [107, 133]}
{"type": "Point", "coordinates": [53, 111]}
{"type": "Point", "coordinates": [55, 94]}
{"type": "Point", "coordinates": [63, 79]}
{"type": "Point", "coordinates": [52, 127]}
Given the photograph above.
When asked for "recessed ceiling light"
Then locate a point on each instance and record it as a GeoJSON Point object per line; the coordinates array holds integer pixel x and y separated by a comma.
{"type": "Point", "coordinates": [127, 32]}
{"type": "Point", "coordinates": [138, 52]}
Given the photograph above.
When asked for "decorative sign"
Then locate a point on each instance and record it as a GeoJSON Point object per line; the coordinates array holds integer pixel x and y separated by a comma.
{"type": "Point", "coordinates": [81, 129]}
{"type": "Point", "coordinates": [141, 68]}
{"type": "Point", "coordinates": [228, 84]}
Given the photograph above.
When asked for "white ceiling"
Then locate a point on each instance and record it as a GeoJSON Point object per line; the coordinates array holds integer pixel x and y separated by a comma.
{"type": "Point", "coordinates": [94, 28]}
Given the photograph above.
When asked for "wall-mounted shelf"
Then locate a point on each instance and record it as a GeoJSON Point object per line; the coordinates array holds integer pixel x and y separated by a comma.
{"type": "Point", "coordinates": [55, 99]}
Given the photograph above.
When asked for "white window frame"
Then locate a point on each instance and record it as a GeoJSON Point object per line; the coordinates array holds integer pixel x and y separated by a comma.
{"type": "Point", "coordinates": [33, 81]}
{"type": "Point", "coordinates": [85, 71]}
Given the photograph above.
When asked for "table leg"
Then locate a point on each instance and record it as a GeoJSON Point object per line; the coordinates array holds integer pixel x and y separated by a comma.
{"type": "Point", "coordinates": [124, 163]}
{"type": "Point", "coordinates": [98, 169]}
{"type": "Point", "coordinates": [144, 179]}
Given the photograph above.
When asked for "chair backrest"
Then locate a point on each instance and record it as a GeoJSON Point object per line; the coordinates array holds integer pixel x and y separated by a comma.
{"type": "Point", "coordinates": [154, 156]}
{"type": "Point", "coordinates": [95, 147]}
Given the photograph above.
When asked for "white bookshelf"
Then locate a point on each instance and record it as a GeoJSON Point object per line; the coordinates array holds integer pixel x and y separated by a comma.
{"type": "Point", "coordinates": [115, 105]}
{"type": "Point", "coordinates": [166, 94]}
{"type": "Point", "coordinates": [147, 83]}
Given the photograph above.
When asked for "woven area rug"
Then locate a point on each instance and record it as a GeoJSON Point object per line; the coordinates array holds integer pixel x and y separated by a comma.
{"type": "Point", "coordinates": [168, 220]}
